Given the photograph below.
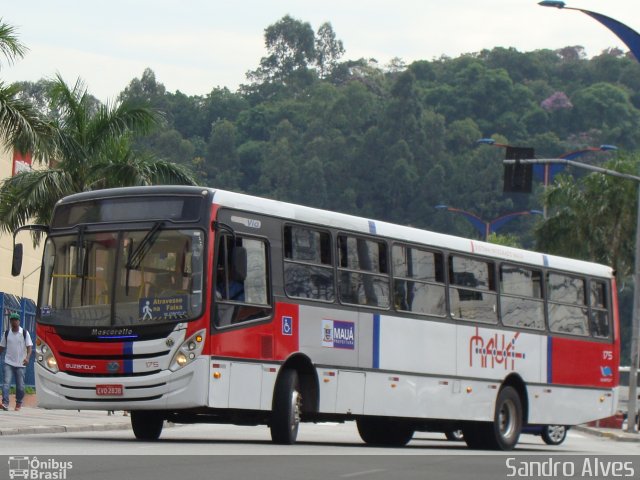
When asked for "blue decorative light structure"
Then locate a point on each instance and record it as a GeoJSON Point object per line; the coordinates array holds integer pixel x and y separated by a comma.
{"type": "Point", "coordinates": [630, 37]}
{"type": "Point", "coordinates": [484, 227]}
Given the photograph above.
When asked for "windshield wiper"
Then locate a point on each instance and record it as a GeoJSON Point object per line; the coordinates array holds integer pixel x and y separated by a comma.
{"type": "Point", "coordinates": [135, 258]}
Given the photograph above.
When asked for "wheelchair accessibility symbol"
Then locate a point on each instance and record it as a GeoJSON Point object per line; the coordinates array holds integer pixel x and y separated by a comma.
{"type": "Point", "coordinates": [287, 326]}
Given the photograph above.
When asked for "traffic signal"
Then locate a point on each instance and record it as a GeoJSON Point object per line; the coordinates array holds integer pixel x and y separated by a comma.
{"type": "Point", "coordinates": [518, 176]}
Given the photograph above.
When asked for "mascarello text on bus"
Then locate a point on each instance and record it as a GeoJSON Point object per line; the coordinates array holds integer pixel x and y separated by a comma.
{"type": "Point", "coordinates": [192, 304]}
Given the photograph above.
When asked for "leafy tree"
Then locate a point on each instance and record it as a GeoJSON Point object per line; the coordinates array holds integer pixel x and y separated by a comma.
{"type": "Point", "coordinates": [461, 134]}
{"type": "Point", "coordinates": [313, 184]}
{"type": "Point", "coordinates": [145, 90]}
{"type": "Point", "coordinates": [507, 240]}
{"type": "Point", "coordinates": [91, 149]}
{"type": "Point", "coordinates": [328, 50]}
{"type": "Point", "coordinates": [222, 156]}
{"type": "Point", "coordinates": [280, 172]}
{"type": "Point", "coordinates": [290, 44]}
{"type": "Point", "coordinates": [172, 146]}
{"type": "Point", "coordinates": [222, 104]}
{"type": "Point", "coordinates": [609, 108]}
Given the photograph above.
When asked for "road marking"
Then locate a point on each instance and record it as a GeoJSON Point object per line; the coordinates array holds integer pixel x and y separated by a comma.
{"type": "Point", "coordinates": [359, 474]}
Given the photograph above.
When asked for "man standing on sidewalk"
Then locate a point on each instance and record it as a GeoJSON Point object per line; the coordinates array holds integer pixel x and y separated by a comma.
{"type": "Point", "coordinates": [17, 343]}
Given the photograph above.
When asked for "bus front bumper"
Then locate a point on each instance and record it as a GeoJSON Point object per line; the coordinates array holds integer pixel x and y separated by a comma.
{"type": "Point", "coordinates": [165, 390]}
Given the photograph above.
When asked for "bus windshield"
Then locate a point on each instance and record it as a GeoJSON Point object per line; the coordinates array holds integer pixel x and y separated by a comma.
{"type": "Point", "coordinates": [122, 278]}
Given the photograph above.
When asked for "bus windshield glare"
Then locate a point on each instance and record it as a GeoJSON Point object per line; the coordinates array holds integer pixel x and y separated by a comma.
{"type": "Point", "coordinates": [136, 277]}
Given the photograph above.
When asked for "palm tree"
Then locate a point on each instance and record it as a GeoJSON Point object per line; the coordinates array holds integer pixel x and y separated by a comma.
{"type": "Point", "coordinates": [90, 149]}
{"type": "Point", "coordinates": [593, 218]}
{"type": "Point", "coordinates": [20, 123]}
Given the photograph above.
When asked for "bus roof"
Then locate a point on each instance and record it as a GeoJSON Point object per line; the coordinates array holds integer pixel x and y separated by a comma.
{"type": "Point", "coordinates": [409, 234]}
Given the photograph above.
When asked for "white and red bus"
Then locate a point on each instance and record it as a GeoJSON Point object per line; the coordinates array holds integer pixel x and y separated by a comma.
{"type": "Point", "coordinates": [193, 304]}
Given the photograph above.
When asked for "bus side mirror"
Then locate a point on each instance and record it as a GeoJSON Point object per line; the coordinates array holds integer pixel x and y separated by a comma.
{"type": "Point", "coordinates": [16, 262]}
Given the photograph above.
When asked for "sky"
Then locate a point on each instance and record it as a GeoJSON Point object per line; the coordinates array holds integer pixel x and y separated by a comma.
{"type": "Point", "coordinates": [195, 46]}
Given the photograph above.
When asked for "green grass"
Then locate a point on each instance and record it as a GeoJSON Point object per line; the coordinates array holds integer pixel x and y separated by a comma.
{"type": "Point", "coordinates": [27, 390]}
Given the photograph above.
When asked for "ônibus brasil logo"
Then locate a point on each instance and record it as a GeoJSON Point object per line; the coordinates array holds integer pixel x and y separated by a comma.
{"type": "Point", "coordinates": [38, 469]}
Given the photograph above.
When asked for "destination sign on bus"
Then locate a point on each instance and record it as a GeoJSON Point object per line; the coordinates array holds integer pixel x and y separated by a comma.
{"type": "Point", "coordinates": [163, 307]}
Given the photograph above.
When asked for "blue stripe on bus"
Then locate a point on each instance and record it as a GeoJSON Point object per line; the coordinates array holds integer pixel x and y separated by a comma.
{"type": "Point", "coordinates": [128, 352]}
{"type": "Point", "coordinates": [549, 359]}
{"type": "Point", "coordinates": [376, 340]}
{"type": "Point", "coordinates": [372, 226]}
{"type": "Point", "coordinates": [545, 260]}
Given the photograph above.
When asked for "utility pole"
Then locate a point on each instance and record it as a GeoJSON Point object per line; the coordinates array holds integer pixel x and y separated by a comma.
{"type": "Point", "coordinates": [631, 39]}
{"type": "Point", "coordinates": [632, 407]}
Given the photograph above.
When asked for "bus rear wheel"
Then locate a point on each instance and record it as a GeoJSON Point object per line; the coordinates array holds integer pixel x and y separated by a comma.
{"type": "Point", "coordinates": [287, 408]}
{"type": "Point", "coordinates": [384, 431]}
{"type": "Point", "coordinates": [503, 433]}
{"type": "Point", "coordinates": [146, 425]}
{"type": "Point", "coordinates": [454, 435]}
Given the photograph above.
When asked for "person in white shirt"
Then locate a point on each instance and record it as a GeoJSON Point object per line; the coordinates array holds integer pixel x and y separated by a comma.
{"type": "Point", "coordinates": [17, 344]}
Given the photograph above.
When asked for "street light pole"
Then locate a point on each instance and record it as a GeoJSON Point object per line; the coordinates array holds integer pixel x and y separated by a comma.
{"type": "Point", "coordinates": [548, 174]}
{"type": "Point", "coordinates": [547, 171]}
{"type": "Point", "coordinates": [635, 330]}
{"type": "Point", "coordinates": [631, 39]}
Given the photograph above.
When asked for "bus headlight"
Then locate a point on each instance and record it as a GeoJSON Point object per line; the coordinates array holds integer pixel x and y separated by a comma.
{"type": "Point", "coordinates": [181, 359]}
{"type": "Point", "coordinates": [52, 363]}
{"type": "Point", "coordinates": [188, 351]}
{"type": "Point", "coordinates": [45, 357]}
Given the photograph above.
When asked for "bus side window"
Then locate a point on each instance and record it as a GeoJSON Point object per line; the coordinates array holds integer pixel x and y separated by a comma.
{"type": "Point", "coordinates": [418, 281]}
{"type": "Point", "coordinates": [521, 302]}
{"type": "Point", "coordinates": [308, 266]}
{"type": "Point", "coordinates": [567, 306]}
{"type": "Point", "coordinates": [363, 272]}
{"type": "Point", "coordinates": [472, 291]}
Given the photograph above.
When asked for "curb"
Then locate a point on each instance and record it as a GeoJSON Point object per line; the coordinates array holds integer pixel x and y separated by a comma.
{"type": "Point", "coordinates": [618, 437]}
{"type": "Point", "coordinates": [63, 429]}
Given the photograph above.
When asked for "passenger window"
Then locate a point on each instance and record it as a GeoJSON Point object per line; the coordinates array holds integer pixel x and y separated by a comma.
{"type": "Point", "coordinates": [472, 293]}
{"type": "Point", "coordinates": [521, 302]}
{"type": "Point", "coordinates": [363, 273]}
{"type": "Point", "coordinates": [418, 283]}
{"type": "Point", "coordinates": [567, 307]}
{"type": "Point", "coordinates": [308, 269]}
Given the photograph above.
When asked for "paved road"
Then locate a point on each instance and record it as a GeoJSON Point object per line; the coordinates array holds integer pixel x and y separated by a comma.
{"type": "Point", "coordinates": [327, 451]}
{"type": "Point", "coordinates": [321, 439]}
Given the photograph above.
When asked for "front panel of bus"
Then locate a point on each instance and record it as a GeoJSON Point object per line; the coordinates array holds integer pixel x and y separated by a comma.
{"type": "Point", "coordinates": [122, 306]}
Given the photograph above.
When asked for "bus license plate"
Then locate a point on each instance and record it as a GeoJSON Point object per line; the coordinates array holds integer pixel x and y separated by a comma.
{"type": "Point", "coordinates": [109, 390]}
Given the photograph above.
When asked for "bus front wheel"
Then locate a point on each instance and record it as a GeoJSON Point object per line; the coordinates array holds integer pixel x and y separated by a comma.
{"type": "Point", "coordinates": [287, 408]}
{"type": "Point", "coordinates": [146, 425]}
